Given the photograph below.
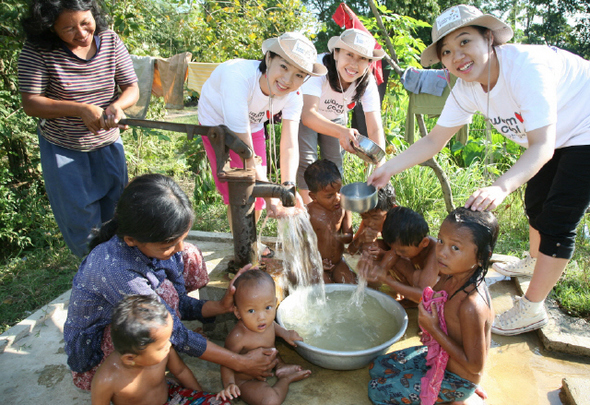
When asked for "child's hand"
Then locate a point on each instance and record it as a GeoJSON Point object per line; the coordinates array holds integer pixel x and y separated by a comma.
{"type": "Point", "coordinates": [328, 266]}
{"type": "Point", "coordinates": [428, 320]}
{"type": "Point", "coordinates": [375, 252]}
{"type": "Point", "coordinates": [369, 235]}
{"type": "Point", "coordinates": [291, 336]}
{"type": "Point", "coordinates": [369, 270]}
{"type": "Point", "coordinates": [230, 392]}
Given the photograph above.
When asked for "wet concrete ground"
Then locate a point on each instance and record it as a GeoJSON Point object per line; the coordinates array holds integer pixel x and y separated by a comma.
{"type": "Point", "coordinates": [519, 370]}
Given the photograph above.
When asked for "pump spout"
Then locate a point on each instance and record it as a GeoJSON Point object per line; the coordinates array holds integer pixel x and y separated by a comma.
{"type": "Point", "coordinates": [271, 190]}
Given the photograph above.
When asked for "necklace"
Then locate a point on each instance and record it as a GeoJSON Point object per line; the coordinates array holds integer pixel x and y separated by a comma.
{"type": "Point", "coordinates": [273, 141]}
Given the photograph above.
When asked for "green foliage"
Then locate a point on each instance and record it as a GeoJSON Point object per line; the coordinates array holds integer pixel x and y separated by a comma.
{"type": "Point", "coordinates": [402, 31]}
{"type": "Point", "coordinates": [213, 31]}
{"type": "Point", "coordinates": [561, 23]}
{"type": "Point", "coordinates": [499, 151]}
{"type": "Point", "coordinates": [572, 290]}
{"type": "Point", "coordinates": [424, 10]}
{"type": "Point", "coordinates": [31, 281]}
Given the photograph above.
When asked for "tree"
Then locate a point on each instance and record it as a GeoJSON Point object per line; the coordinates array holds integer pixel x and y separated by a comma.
{"type": "Point", "coordinates": [323, 10]}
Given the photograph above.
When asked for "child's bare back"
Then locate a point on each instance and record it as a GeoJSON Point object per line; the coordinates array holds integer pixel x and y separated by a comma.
{"type": "Point", "coordinates": [128, 385]}
{"type": "Point", "coordinates": [420, 271]}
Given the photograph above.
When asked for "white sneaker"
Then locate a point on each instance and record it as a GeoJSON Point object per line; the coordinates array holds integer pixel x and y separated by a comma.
{"type": "Point", "coordinates": [519, 319]}
{"type": "Point", "coordinates": [524, 267]}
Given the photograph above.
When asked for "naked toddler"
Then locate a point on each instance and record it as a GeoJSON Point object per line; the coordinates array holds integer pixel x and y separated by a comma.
{"type": "Point", "coordinates": [135, 373]}
{"type": "Point", "coordinates": [255, 306]}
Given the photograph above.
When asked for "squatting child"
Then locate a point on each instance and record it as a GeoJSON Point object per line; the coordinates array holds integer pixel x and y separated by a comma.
{"type": "Point", "coordinates": [331, 223]}
{"type": "Point", "coordinates": [456, 319]}
{"type": "Point", "coordinates": [135, 372]}
{"type": "Point", "coordinates": [369, 235]}
{"type": "Point", "coordinates": [255, 306]}
{"type": "Point", "coordinates": [410, 264]}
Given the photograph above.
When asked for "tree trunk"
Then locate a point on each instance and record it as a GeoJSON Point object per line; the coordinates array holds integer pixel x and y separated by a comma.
{"type": "Point", "coordinates": [440, 173]}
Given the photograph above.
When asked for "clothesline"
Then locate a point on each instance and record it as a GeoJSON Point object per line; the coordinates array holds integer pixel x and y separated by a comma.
{"type": "Point", "coordinates": [166, 77]}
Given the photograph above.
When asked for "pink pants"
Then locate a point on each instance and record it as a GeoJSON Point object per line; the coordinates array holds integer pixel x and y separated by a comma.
{"type": "Point", "coordinates": [235, 161]}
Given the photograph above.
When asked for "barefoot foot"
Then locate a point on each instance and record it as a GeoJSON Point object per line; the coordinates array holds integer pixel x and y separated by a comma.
{"type": "Point", "coordinates": [292, 372]}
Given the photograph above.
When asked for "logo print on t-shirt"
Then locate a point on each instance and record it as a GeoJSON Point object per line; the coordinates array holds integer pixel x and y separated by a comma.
{"type": "Point", "coordinates": [519, 117]}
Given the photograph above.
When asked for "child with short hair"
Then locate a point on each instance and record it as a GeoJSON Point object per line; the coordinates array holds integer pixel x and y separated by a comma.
{"type": "Point", "coordinates": [331, 223]}
{"type": "Point", "coordinates": [255, 306]}
{"type": "Point", "coordinates": [456, 318]}
{"type": "Point", "coordinates": [367, 237]}
{"type": "Point", "coordinates": [410, 265]}
{"type": "Point", "coordinates": [135, 373]}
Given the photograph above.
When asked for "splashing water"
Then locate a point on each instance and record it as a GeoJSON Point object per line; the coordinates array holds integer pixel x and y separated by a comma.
{"type": "Point", "coordinates": [358, 296]}
{"type": "Point", "coordinates": [302, 261]}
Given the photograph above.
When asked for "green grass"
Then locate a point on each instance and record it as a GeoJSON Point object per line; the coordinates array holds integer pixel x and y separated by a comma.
{"type": "Point", "coordinates": [32, 280]}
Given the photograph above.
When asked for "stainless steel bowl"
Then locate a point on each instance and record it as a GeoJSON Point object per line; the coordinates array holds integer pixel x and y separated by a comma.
{"type": "Point", "coordinates": [347, 360]}
{"type": "Point", "coordinates": [358, 197]}
{"type": "Point", "coordinates": [368, 150]}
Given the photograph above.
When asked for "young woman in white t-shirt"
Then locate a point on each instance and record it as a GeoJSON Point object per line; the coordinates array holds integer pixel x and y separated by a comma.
{"type": "Point", "coordinates": [538, 97]}
{"type": "Point", "coordinates": [327, 100]}
{"type": "Point", "coordinates": [243, 94]}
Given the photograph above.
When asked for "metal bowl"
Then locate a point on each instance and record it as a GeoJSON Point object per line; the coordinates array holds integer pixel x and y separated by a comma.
{"type": "Point", "coordinates": [358, 197]}
{"type": "Point", "coordinates": [347, 360]}
{"type": "Point", "coordinates": [368, 150]}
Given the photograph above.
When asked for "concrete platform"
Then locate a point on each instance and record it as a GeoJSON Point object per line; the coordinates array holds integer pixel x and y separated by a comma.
{"type": "Point", "coordinates": [519, 369]}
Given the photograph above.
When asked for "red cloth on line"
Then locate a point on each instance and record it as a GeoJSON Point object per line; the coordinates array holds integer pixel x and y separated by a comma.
{"type": "Point", "coordinates": [346, 18]}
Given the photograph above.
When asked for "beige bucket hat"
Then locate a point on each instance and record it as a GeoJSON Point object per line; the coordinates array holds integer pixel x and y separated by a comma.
{"type": "Point", "coordinates": [459, 16]}
{"type": "Point", "coordinates": [296, 49]}
{"type": "Point", "coordinates": [358, 42]}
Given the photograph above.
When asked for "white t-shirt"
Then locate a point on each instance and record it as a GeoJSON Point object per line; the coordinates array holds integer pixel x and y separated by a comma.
{"type": "Point", "coordinates": [538, 86]}
{"type": "Point", "coordinates": [334, 104]}
{"type": "Point", "coordinates": [232, 96]}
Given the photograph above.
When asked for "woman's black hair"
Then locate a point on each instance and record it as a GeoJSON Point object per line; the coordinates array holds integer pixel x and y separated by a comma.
{"type": "Point", "coordinates": [152, 209]}
{"type": "Point", "coordinates": [484, 230]}
{"type": "Point", "coordinates": [484, 31]}
{"type": "Point", "coordinates": [361, 83]}
{"type": "Point", "coordinates": [133, 320]}
{"type": "Point", "coordinates": [262, 67]}
{"type": "Point", "coordinates": [38, 24]}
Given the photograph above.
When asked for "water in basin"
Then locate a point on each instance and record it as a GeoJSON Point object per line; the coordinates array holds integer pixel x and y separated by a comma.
{"type": "Point", "coordinates": [336, 322]}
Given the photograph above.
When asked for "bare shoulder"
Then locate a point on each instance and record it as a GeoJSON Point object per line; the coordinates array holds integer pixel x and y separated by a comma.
{"type": "Point", "coordinates": [105, 382]}
{"type": "Point", "coordinates": [313, 208]}
{"type": "Point", "coordinates": [237, 334]}
{"type": "Point", "coordinates": [240, 339]}
{"type": "Point", "coordinates": [477, 303]}
{"type": "Point", "coordinates": [108, 372]}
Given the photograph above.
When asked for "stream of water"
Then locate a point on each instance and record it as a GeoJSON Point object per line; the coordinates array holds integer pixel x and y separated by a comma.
{"type": "Point", "coordinates": [340, 320]}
